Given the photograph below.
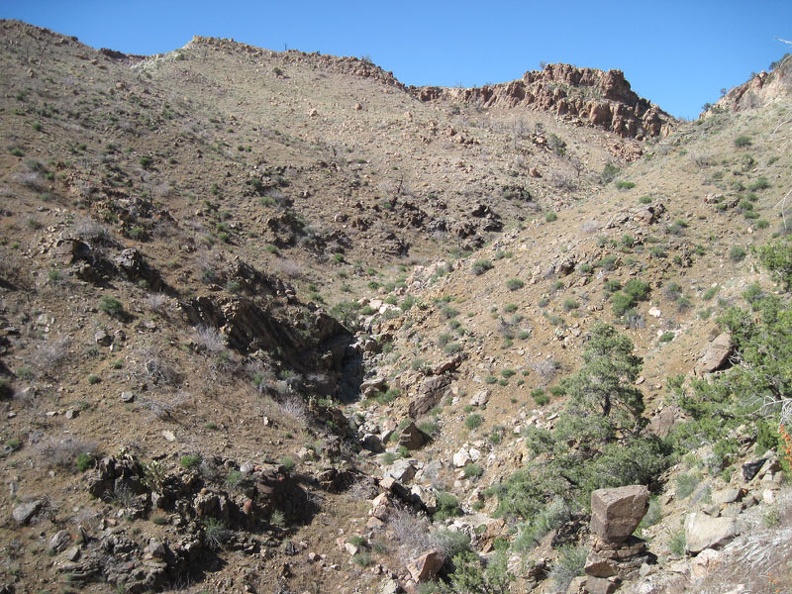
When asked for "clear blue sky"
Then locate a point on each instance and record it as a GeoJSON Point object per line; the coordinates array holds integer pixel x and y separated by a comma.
{"type": "Point", "coordinates": [678, 54]}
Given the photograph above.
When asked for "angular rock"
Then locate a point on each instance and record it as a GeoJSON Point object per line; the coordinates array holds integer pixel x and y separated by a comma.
{"type": "Point", "coordinates": [616, 513]}
{"type": "Point", "coordinates": [481, 398]}
{"type": "Point", "coordinates": [705, 532]}
{"type": "Point", "coordinates": [60, 541]}
{"type": "Point", "coordinates": [716, 356]}
{"type": "Point", "coordinates": [461, 458]}
{"type": "Point", "coordinates": [23, 512]}
{"type": "Point", "coordinates": [372, 443]}
{"type": "Point", "coordinates": [411, 437]}
{"type": "Point", "coordinates": [730, 495]}
{"type": "Point", "coordinates": [402, 470]}
{"type": "Point", "coordinates": [429, 395]}
{"type": "Point", "coordinates": [427, 566]}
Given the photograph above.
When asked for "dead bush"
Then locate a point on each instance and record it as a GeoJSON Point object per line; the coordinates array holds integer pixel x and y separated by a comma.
{"type": "Point", "coordinates": [51, 354]}
{"type": "Point", "coordinates": [62, 453]}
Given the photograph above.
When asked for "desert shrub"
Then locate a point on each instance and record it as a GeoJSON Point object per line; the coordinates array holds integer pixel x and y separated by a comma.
{"type": "Point", "coordinates": [737, 253]}
{"type": "Point", "coordinates": [686, 484]}
{"type": "Point", "coordinates": [609, 173]}
{"type": "Point", "coordinates": [64, 453]}
{"type": "Point", "coordinates": [50, 355]}
{"type": "Point", "coordinates": [608, 262]}
{"type": "Point", "coordinates": [111, 306]}
{"type": "Point", "coordinates": [215, 533]}
{"type": "Point", "coordinates": [678, 543]}
{"type": "Point", "coordinates": [540, 397]}
{"type": "Point", "coordinates": [551, 217]}
{"type": "Point", "coordinates": [481, 266]}
{"type": "Point", "coordinates": [514, 284]}
{"type": "Point", "coordinates": [473, 421]}
{"type": "Point", "coordinates": [624, 185]}
{"type": "Point", "coordinates": [568, 566]}
{"type": "Point", "coordinates": [447, 506]}
{"type": "Point", "coordinates": [472, 470]}
{"type": "Point", "coordinates": [190, 461]}
{"type": "Point", "coordinates": [84, 461]}
{"type": "Point", "coordinates": [742, 141]}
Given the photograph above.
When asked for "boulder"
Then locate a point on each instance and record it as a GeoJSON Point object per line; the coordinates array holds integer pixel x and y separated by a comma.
{"type": "Point", "coordinates": [430, 393]}
{"type": "Point", "coordinates": [616, 513]}
{"type": "Point", "coordinates": [716, 356]}
{"type": "Point", "coordinates": [705, 532]}
{"type": "Point", "coordinates": [23, 512]}
{"type": "Point", "coordinates": [402, 470]}
{"type": "Point", "coordinates": [427, 566]}
{"type": "Point", "coordinates": [411, 437]}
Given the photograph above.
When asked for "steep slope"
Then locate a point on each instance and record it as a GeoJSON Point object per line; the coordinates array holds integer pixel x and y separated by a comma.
{"type": "Point", "coordinates": [230, 278]}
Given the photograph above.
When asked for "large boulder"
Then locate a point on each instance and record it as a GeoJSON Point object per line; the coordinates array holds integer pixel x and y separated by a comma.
{"type": "Point", "coordinates": [616, 513]}
{"type": "Point", "coordinates": [427, 566]}
{"type": "Point", "coordinates": [705, 532]}
{"type": "Point", "coordinates": [716, 356]}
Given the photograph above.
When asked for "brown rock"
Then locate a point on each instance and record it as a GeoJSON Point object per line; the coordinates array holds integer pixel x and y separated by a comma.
{"type": "Point", "coordinates": [616, 513]}
{"type": "Point", "coordinates": [426, 567]}
{"type": "Point", "coordinates": [716, 356]}
{"type": "Point", "coordinates": [411, 437]}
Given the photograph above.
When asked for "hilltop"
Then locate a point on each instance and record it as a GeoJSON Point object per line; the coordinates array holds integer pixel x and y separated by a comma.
{"type": "Point", "coordinates": [274, 321]}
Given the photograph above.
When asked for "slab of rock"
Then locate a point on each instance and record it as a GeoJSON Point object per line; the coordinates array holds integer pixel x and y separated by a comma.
{"type": "Point", "coordinates": [481, 398]}
{"type": "Point", "coordinates": [411, 437]}
{"type": "Point", "coordinates": [705, 532]}
{"type": "Point", "coordinates": [616, 513]}
{"type": "Point", "coordinates": [716, 356]}
{"type": "Point", "coordinates": [60, 541]}
{"type": "Point", "coordinates": [23, 512]}
{"type": "Point", "coordinates": [402, 470]}
{"type": "Point", "coordinates": [461, 458]}
{"type": "Point", "coordinates": [427, 566]}
{"type": "Point", "coordinates": [430, 393]}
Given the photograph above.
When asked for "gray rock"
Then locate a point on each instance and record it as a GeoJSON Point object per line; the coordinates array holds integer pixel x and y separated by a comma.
{"type": "Point", "coordinates": [705, 532]}
{"type": "Point", "coordinates": [127, 397]}
{"type": "Point", "coordinates": [481, 398]}
{"type": "Point", "coordinates": [402, 470]}
{"type": "Point", "coordinates": [60, 541]}
{"type": "Point", "coordinates": [23, 512]}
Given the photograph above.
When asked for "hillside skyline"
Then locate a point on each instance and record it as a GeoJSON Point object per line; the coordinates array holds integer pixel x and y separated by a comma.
{"type": "Point", "coordinates": [679, 63]}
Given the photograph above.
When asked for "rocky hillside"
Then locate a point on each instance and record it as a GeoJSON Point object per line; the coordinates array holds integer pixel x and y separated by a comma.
{"type": "Point", "coordinates": [273, 321]}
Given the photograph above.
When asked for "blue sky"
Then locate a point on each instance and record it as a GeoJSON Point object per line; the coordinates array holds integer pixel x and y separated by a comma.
{"type": "Point", "coordinates": [676, 54]}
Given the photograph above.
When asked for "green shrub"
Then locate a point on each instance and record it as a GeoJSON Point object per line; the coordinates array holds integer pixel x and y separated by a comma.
{"type": "Point", "coordinates": [472, 470]}
{"type": "Point", "coordinates": [686, 484]}
{"type": "Point", "coordinates": [111, 306]}
{"type": "Point", "coordinates": [551, 217]}
{"type": "Point", "coordinates": [678, 543]}
{"type": "Point", "coordinates": [288, 463]}
{"type": "Point", "coordinates": [514, 284]}
{"type": "Point", "coordinates": [667, 336]}
{"type": "Point", "coordinates": [568, 566]}
{"type": "Point", "coordinates": [447, 506]}
{"type": "Point", "coordinates": [190, 461]}
{"type": "Point", "coordinates": [742, 141]}
{"type": "Point", "coordinates": [481, 266]}
{"type": "Point", "coordinates": [84, 461]}
{"type": "Point", "coordinates": [474, 421]}
{"type": "Point", "coordinates": [737, 253]}
{"type": "Point", "coordinates": [624, 185]}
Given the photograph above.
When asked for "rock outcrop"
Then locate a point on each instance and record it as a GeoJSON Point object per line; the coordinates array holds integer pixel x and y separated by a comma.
{"type": "Point", "coordinates": [589, 96]}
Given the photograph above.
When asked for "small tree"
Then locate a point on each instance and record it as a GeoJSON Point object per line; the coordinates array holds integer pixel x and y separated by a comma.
{"type": "Point", "coordinates": [604, 403]}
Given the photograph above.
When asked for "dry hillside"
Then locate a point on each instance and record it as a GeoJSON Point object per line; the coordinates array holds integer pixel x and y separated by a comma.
{"type": "Point", "coordinates": [275, 322]}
